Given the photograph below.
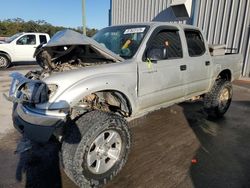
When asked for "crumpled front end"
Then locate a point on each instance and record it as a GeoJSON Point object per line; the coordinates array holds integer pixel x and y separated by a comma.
{"type": "Point", "coordinates": [36, 124]}
{"type": "Point", "coordinates": [68, 50]}
{"type": "Point", "coordinates": [34, 93]}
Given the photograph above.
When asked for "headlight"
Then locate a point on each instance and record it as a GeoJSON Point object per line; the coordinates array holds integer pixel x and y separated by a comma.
{"type": "Point", "coordinates": [31, 91]}
{"type": "Point", "coordinates": [28, 91]}
{"type": "Point", "coordinates": [52, 89]}
{"type": "Point", "coordinates": [35, 92]}
{"type": "Point", "coordinates": [38, 92]}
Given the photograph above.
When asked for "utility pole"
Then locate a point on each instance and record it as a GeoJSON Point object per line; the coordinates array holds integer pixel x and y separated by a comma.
{"type": "Point", "coordinates": [83, 17]}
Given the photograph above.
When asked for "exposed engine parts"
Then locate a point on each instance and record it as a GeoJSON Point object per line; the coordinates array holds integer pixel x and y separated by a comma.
{"type": "Point", "coordinates": [63, 58]}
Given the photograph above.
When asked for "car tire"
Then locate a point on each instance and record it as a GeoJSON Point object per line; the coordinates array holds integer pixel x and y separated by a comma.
{"type": "Point", "coordinates": [218, 100]}
{"type": "Point", "coordinates": [96, 148]}
{"type": "Point", "coordinates": [4, 62]}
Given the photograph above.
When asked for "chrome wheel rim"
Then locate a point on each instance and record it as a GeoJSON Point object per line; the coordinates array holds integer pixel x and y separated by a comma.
{"type": "Point", "coordinates": [224, 98]}
{"type": "Point", "coordinates": [104, 152]}
{"type": "Point", "coordinates": [3, 61]}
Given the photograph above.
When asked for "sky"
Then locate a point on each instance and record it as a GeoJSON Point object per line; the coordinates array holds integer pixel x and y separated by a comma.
{"type": "Point", "coordinates": [67, 13]}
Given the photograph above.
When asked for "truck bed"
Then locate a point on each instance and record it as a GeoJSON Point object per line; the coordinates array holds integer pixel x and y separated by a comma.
{"type": "Point", "coordinates": [232, 62]}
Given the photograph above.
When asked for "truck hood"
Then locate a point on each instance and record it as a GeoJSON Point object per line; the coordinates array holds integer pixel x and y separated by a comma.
{"type": "Point", "coordinates": [69, 37]}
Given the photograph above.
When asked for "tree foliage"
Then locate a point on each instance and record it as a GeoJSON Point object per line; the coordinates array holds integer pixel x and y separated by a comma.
{"type": "Point", "coordinates": [10, 27]}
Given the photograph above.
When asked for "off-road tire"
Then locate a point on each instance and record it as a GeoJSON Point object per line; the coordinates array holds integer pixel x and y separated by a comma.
{"type": "Point", "coordinates": [4, 62]}
{"type": "Point", "coordinates": [77, 144]}
{"type": "Point", "coordinates": [212, 99]}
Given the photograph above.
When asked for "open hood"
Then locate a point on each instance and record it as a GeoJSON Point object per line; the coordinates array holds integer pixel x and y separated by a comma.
{"type": "Point", "coordinates": [70, 37]}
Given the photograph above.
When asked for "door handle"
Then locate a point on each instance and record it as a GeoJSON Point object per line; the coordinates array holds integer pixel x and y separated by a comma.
{"type": "Point", "coordinates": [207, 63]}
{"type": "Point", "coordinates": [183, 67]}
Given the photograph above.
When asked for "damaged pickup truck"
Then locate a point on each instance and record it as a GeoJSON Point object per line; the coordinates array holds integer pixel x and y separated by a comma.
{"type": "Point", "coordinates": [87, 89]}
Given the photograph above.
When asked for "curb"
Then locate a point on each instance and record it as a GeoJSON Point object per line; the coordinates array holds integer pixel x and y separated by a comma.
{"type": "Point", "coordinates": [246, 79]}
{"type": "Point", "coordinates": [242, 88]}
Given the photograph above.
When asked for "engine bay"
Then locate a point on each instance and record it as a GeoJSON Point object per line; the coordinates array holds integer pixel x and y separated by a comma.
{"type": "Point", "coordinates": [65, 58]}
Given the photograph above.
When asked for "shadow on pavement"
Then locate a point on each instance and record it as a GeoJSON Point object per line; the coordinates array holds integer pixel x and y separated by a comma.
{"type": "Point", "coordinates": [224, 156]}
{"type": "Point", "coordinates": [18, 66]}
{"type": "Point", "coordinates": [41, 166]}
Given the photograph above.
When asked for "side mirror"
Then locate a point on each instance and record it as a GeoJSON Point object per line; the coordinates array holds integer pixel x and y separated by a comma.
{"type": "Point", "coordinates": [155, 54]}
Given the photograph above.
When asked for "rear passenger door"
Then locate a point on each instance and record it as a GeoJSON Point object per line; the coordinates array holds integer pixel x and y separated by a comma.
{"type": "Point", "coordinates": [198, 61]}
{"type": "Point", "coordinates": [162, 81]}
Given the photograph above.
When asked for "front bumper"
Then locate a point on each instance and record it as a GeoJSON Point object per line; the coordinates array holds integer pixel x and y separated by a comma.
{"type": "Point", "coordinates": [37, 125]}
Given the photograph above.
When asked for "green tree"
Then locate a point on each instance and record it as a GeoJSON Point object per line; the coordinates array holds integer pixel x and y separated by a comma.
{"type": "Point", "coordinates": [10, 27]}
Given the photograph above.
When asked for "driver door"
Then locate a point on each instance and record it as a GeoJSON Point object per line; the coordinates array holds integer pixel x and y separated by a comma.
{"type": "Point", "coordinates": [25, 47]}
{"type": "Point", "coordinates": [162, 81]}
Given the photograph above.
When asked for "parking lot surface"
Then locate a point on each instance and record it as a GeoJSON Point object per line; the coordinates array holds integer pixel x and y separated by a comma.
{"type": "Point", "coordinates": [173, 147]}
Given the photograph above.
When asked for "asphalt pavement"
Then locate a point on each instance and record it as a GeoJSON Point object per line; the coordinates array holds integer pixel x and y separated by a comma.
{"type": "Point", "coordinates": [5, 106]}
{"type": "Point", "coordinates": [172, 147]}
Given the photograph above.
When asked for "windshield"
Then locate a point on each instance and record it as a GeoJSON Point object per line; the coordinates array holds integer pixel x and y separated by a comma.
{"type": "Point", "coordinates": [10, 39]}
{"type": "Point", "coordinates": [122, 40]}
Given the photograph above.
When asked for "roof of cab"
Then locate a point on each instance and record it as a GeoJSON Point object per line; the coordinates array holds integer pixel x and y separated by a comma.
{"type": "Point", "coordinates": [156, 24]}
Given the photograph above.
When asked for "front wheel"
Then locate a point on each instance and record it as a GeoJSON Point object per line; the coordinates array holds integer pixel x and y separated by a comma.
{"type": "Point", "coordinates": [218, 100]}
{"type": "Point", "coordinates": [102, 151]}
{"type": "Point", "coordinates": [4, 62]}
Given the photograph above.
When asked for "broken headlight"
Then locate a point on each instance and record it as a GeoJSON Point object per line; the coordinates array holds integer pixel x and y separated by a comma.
{"type": "Point", "coordinates": [35, 92]}
{"type": "Point", "coordinates": [27, 90]}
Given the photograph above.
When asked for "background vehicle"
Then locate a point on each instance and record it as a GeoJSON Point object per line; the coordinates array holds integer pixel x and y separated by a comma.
{"type": "Point", "coordinates": [20, 47]}
{"type": "Point", "coordinates": [87, 90]}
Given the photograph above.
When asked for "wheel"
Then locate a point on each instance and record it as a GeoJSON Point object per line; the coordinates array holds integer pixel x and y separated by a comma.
{"type": "Point", "coordinates": [4, 61]}
{"type": "Point", "coordinates": [96, 148]}
{"type": "Point", "coordinates": [218, 100]}
{"type": "Point", "coordinates": [44, 59]}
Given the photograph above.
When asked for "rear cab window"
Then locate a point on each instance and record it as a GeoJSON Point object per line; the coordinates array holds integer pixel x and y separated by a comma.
{"type": "Point", "coordinates": [43, 39]}
{"type": "Point", "coordinates": [195, 43]}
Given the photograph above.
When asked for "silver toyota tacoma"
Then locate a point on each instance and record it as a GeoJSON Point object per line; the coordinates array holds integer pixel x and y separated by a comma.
{"type": "Point", "coordinates": [89, 88]}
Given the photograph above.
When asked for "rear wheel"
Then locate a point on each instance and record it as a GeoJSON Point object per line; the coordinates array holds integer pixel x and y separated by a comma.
{"type": "Point", "coordinates": [101, 150]}
{"type": "Point", "coordinates": [4, 61]}
{"type": "Point", "coordinates": [218, 100]}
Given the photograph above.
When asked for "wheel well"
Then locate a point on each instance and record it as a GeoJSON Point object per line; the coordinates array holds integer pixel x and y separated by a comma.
{"type": "Point", "coordinates": [225, 75]}
{"type": "Point", "coordinates": [6, 54]}
{"type": "Point", "coordinates": [108, 100]}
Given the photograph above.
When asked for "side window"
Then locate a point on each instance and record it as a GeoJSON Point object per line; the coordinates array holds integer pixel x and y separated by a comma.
{"type": "Point", "coordinates": [27, 40]}
{"type": "Point", "coordinates": [42, 39]}
{"type": "Point", "coordinates": [195, 43]}
{"type": "Point", "coordinates": [168, 43]}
